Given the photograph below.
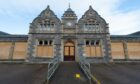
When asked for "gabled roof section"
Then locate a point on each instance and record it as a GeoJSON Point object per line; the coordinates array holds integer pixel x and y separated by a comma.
{"type": "Point", "coordinates": [92, 14]}
{"type": "Point", "coordinates": [46, 14]}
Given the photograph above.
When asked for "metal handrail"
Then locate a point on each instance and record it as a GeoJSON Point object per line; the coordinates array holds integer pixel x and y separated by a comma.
{"type": "Point", "coordinates": [52, 67]}
{"type": "Point", "coordinates": [85, 66]}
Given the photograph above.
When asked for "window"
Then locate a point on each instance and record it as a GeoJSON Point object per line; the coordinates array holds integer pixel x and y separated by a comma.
{"type": "Point", "coordinates": [45, 42]}
{"type": "Point", "coordinates": [41, 25]}
{"type": "Point", "coordinates": [92, 42]}
{"type": "Point", "coordinates": [93, 48]}
{"type": "Point", "coordinates": [91, 25]}
{"type": "Point", "coordinates": [45, 48]}
{"type": "Point", "coordinates": [48, 25]}
{"type": "Point", "coordinates": [50, 42]}
{"type": "Point", "coordinates": [40, 42]}
{"type": "Point", "coordinates": [97, 43]}
{"type": "Point", "coordinates": [87, 42]}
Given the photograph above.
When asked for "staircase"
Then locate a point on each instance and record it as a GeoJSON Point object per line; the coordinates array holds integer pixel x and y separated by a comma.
{"type": "Point", "coordinates": [66, 74]}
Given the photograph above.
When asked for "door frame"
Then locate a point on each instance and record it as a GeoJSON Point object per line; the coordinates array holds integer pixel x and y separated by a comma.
{"type": "Point", "coordinates": [71, 58]}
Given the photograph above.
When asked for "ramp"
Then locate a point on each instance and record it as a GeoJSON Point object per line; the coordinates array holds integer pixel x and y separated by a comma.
{"type": "Point", "coordinates": [69, 73]}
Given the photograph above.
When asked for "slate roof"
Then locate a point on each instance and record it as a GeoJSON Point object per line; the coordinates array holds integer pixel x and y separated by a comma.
{"type": "Point", "coordinates": [133, 36]}
{"type": "Point", "coordinates": [124, 37]}
{"type": "Point", "coordinates": [10, 37]}
{"type": "Point", "coordinates": [3, 33]}
{"type": "Point", "coordinates": [136, 33]}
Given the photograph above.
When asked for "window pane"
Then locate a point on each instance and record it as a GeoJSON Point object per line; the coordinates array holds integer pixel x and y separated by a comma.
{"type": "Point", "coordinates": [97, 42]}
{"type": "Point", "coordinates": [45, 25]}
{"type": "Point", "coordinates": [40, 42]}
{"type": "Point", "coordinates": [41, 25]}
{"type": "Point", "coordinates": [72, 51]}
{"type": "Point", "coordinates": [45, 42]}
{"type": "Point", "coordinates": [50, 42]}
{"type": "Point", "coordinates": [92, 42]}
{"type": "Point", "coordinates": [66, 51]}
{"type": "Point", "coordinates": [87, 42]}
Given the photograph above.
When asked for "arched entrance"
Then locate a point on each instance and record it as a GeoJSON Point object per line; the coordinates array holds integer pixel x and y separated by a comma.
{"type": "Point", "coordinates": [69, 51]}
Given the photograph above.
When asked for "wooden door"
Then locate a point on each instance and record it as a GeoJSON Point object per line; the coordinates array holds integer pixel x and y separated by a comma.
{"type": "Point", "coordinates": [69, 52]}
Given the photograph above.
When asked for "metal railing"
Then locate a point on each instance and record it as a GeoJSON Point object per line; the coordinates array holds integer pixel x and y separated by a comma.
{"type": "Point", "coordinates": [52, 67]}
{"type": "Point", "coordinates": [85, 66]}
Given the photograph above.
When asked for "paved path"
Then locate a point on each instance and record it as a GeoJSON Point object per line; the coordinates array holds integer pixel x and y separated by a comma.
{"type": "Point", "coordinates": [66, 74]}
{"type": "Point", "coordinates": [117, 73]}
{"type": "Point", "coordinates": [22, 74]}
{"type": "Point", "coordinates": [35, 74]}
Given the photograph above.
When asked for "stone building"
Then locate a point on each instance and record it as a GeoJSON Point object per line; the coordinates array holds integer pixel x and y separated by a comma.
{"type": "Point", "coordinates": [69, 38]}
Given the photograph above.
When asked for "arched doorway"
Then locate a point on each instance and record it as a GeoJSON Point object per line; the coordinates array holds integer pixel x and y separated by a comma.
{"type": "Point", "coordinates": [69, 51]}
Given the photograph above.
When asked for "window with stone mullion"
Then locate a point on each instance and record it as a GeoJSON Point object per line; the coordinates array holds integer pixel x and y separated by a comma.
{"type": "Point", "coordinates": [92, 42]}
{"type": "Point", "coordinates": [90, 26]}
{"type": "Point", "coordinates": [47, 24]}
{"type": "Point", "coordinates": [45, 42]}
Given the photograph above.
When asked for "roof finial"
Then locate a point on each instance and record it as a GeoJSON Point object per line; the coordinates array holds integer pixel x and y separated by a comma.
{"type": "Point", "coordinates": [90, 7]}
{"type": "Point", "coordinates": [69, 5]}
{"type": "Point", "coordinates": [48, 7]}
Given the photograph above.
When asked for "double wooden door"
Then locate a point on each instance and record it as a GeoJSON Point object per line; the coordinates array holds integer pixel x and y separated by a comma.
{"type": "Point", "coordinates": [69, 53]}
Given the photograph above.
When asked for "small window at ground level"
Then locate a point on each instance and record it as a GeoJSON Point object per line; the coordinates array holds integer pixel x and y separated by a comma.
{"type": "Point", "coordinates": [97, 42]}
{"type": "Point", "coordinates": [92, 42]}
{"type": "Point", "coordinates": [87, 42]}
{"type": "Point", "coordinates": [40, 42]}
{"type": "Point", "coordinates": [50, 42]}
{"type": "Point", "coordinates": [45, 42]}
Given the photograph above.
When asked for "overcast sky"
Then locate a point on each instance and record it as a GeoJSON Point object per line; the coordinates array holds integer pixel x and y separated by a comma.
{"type": "Point", "coordinates": [123, 16]}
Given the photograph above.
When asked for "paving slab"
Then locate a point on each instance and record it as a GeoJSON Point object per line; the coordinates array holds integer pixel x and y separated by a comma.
{"type": "Point", "coordinates": [22, 73]}
{"type": "Point", "coordinates": [117, 73]}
